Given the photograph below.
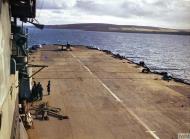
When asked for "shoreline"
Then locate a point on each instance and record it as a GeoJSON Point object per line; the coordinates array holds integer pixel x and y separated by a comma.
{"type": "Point", "coordinates": [121, 28]}
{"type": "Point", "coordinates": [182, 33]}
{"type": "Point", "coordinates": [141, 32]}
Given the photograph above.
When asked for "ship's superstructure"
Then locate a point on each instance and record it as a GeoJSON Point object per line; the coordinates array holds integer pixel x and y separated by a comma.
{"type": "Point", "coordinates": [14, 77]}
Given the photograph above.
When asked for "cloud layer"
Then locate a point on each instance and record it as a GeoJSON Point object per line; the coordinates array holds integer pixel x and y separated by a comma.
{"type": "Point", "coordinates": [163, 13]}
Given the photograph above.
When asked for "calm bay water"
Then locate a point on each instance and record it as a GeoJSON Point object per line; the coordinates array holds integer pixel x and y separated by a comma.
{"type": "Point", "coordinates": [156, 50]}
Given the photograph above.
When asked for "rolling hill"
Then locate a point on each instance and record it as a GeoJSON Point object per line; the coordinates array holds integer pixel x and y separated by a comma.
{"type": "Point", "coordinates": [120, 28]}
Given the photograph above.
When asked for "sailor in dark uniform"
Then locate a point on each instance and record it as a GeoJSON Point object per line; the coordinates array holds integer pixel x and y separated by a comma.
{"type": "Point", "coordinates": [48, 87]}
{"type": "Point", "coordinates": [40, 90]}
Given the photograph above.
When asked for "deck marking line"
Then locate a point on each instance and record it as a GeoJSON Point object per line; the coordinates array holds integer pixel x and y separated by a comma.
{"type": "Point", "coordinates": [116, 97]}
{"type": "Point", "coordinates": [140, 121]}
{"type": "Point", "coordinates": [151, 132]}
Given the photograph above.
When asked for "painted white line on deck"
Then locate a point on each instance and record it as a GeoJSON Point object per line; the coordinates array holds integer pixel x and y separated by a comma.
{"type": "Point", "coordinates": [118, 99]}
{"type": "Point", "coordinates": [151, 132]}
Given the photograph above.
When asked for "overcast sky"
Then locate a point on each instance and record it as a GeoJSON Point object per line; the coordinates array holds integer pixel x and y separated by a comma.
{"type": "Point", "coordinates": [161, 13]}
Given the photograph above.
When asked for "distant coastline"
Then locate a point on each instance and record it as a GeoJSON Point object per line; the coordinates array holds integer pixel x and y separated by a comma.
{"type": "Point", "coordinates": [121, 28]}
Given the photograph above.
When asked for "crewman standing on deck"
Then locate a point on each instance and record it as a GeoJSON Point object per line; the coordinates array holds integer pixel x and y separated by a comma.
{"type": "Point", "coordinates": [40, 90]}
{"type": "Point", "coordinates": [34, 94]}
{"type": "Point", "coordinates": [62, 46]}
{"type": "Point", "coordinates": [68, 46]}
{"type": "Point", "coordinates": [48, 87]}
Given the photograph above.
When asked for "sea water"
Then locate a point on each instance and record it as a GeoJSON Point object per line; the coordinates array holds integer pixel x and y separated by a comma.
{"type": "Point", "coordinates": [158, 51]}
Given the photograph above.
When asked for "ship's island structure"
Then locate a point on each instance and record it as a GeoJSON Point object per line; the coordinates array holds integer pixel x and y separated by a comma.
{"type": "Point", "coordinates": [14, 73]}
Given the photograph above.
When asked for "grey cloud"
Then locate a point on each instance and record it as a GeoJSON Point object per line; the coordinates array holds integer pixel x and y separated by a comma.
{"type": "Point", "coordinates": [100, 9]}
{"type": "Point", "coordinates": [92, 7]}
{"type": "Point", "coordinates": [44, 4]}
{"type": "Point", "coordinates": [145, 9]}
{"type": "Point", "coordinates": [57, 11]}
{"type": "Point", "coordinates": [159, 9]}
{"type": "Point", "coordinates": [135, 9]}
{"type": "Point", "coordinates": [126, 9]}
{"type": "Point", "coordinates": [167, 12]}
